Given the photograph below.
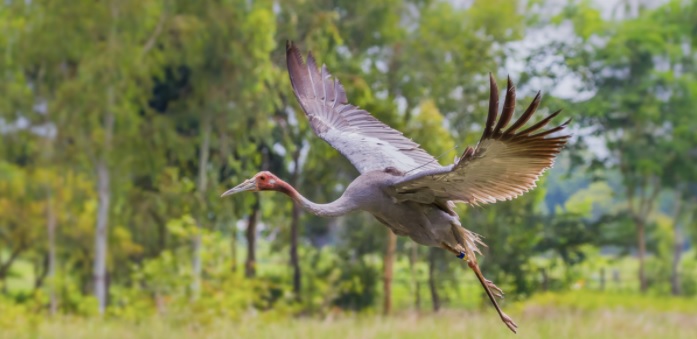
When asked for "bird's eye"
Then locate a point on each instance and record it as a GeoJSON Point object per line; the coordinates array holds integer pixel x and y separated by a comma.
{"type": "Point", "coordinates": [262, 178]}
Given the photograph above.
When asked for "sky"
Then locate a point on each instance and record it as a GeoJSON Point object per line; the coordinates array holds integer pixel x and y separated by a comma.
{"type": "Point", "coordinates": [568, 86]}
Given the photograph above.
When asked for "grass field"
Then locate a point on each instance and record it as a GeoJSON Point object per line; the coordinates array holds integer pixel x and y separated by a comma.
{"type": "Point", "coordinates": [550, 316]}
{"type": "Point", "coordinates": [534, 323]}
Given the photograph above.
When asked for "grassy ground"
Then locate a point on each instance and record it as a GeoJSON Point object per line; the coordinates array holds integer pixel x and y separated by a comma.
{"type": "Point", "coordinates": [536, 320]}
{"type": "Point", "coordinates": [534, 323]}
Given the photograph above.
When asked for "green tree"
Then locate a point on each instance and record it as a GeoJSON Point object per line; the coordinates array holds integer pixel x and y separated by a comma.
{"type": "Point", "coordinates": [91, 84]}
{"type": "Point", "coordinates": [638, 70]}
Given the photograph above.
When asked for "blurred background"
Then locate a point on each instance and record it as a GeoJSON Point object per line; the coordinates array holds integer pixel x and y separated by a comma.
{"type": "Point", "coordinates": [121, 123]}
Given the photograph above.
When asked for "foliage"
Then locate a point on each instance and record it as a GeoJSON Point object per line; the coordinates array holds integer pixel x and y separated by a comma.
{"type": "Point", "coordinates": [122, 121]}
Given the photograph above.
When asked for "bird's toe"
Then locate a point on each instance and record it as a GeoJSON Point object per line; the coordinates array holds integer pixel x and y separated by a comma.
{"type": "Point", "coordinates": [496, 290]}
{"type": "Point", "coordinates": [509, 322]}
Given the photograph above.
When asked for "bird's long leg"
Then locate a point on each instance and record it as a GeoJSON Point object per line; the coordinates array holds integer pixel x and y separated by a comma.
{"type": "Point", "coordinates": [486, 284]}
{"type": "Point", "coordinates": [504, 317]}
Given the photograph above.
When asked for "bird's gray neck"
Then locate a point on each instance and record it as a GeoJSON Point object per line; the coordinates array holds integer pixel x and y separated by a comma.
{"type": "Point", "coordinates": [335, 208]}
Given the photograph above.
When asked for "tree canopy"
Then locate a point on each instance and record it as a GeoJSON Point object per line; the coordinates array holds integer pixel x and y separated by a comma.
{"type": "Point", "coordinates": [122, 122]}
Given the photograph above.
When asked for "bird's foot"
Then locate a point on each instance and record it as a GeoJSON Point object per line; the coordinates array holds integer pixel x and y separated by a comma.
{"type": "Point", "coordinates": [509, 322]}
{"type": "Point", "coordinates": [495, 289]}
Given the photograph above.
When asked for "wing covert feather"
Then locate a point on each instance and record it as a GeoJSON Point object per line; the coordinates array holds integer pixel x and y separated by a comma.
{"type": "Point", "coordinates": [502, 166]}
{"type": "Point", "coordinates": [364, 140]}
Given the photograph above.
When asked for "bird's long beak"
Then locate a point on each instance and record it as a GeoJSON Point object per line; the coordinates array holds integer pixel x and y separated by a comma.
{"type": "Point", "coordinates": [247, 185]}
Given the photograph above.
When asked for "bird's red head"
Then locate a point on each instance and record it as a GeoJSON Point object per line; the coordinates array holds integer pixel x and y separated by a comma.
{"type": "Point", "coordinates": [262, 181]}
{"type": "Point", "coordinates": [266, 181]}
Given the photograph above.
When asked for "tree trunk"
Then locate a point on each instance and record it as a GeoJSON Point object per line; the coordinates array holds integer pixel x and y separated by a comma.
{"type": "Point", "coordinates": [51, 226]}
{"type": "Point", "coordinates": [104, 200]}
{"type": "Point", "coordinates": [640, 213]}
{"type": "Point", "coordinates": [3, 282]}
{"type": "Point", "coordinates": [435, 299]}
{"type": "Point", "coordinates": [225, 151]}
{"type": "Point", "coordinates": [196, 262]}
{"type": "Point", "coordinates": [101, 234]}
{"type": "Point", "coordinates": [641, 240]}
{"type": "Point", "coordinates": [101, 162]}
{"type": "Point", "coordinates": [388, 269]}
{"type": "Point", "coordinates": [40, 272]}
{"type": "Point", "coordinates": [294, 224]}
{"type": "Point", "coordinates": [294, 260]}
{"type": "Point", "coordinates": [545, 279]}
{"type": "Point", "coordinates": [675, 288]}
{"type": "Point", "coordinates": [5, 267]}
{"type": "Point", "coordinates": [201, 192]}
{"type": "Point", "coordinates": [251, 233]}
{"type": "Point", "coordinates": [233, 248]}
{"type": "Point", "coordinates": [412, 270]}
{"type": "Point", "coordinates": [161, 234]}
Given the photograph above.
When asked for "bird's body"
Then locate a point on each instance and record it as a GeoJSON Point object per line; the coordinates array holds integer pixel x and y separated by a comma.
{"type": "Point", "coordinates": [426, 224]}
{"type": "Point", "coordinates": [403, 186]}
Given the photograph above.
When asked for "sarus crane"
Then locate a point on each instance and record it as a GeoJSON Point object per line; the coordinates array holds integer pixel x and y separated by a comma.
{"type": "Point", "coordinates": [403, 186]}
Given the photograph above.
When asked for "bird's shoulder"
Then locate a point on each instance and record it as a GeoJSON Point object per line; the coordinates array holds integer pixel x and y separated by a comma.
{"type": "Point", "coordinates": [376, 180]}
{"type": "Point", "coordinates": [386, 176]}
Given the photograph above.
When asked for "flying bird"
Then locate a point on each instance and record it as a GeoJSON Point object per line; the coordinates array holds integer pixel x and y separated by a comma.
{"type": "Point", "coordinates": [403, 186]}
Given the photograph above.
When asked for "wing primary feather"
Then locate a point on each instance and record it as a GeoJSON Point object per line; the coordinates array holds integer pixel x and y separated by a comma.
{"type": "Point", "coordinates": [493, 107]}
{"type": "Point", "coordinates": [311, 67]}
{"type": "Point", "coordinates": [336, 94]}
{"type": "Point", "coordinates": [551, 130]}
{"type": "Point", "coordinates": [538, 125]}
{"type": "Point", "coordinates": [295, 66]}
{"type": "Point", "coordinates": [526, 115]}
{"type": "Point", "coordinates": [503, 165]}
{"type": "Point", "coordinates": [324, 77]}
{"type": "Point", "coordinates": [508, 108]}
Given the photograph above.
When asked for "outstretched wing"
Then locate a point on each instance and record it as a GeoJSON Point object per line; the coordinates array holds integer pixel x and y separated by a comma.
{"type": "Point", "coordinates": [365, 141]}
{"type": "Point", "coordinates": [504, 164]}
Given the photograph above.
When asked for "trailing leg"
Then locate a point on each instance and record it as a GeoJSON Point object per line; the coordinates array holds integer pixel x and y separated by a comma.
{"type": "Point", "coordinates": [487, 284]}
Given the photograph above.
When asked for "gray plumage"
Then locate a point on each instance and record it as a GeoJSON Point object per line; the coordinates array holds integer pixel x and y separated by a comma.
{"type": "Point", "coordinates": [403, 186]}
{"type": "Point", "coordinates": [367, 143]}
